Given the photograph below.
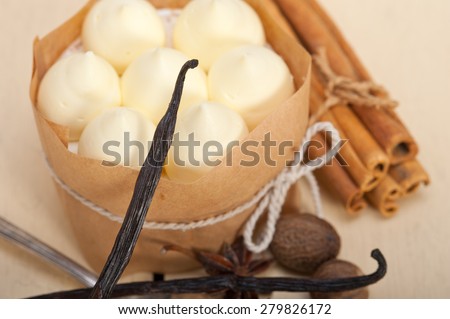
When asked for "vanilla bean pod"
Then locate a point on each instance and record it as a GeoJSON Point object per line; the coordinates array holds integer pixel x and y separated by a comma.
{"type": "Point", "coordinates": [146, 184]}
{"type": "Point", "coordinates": [237, 283]}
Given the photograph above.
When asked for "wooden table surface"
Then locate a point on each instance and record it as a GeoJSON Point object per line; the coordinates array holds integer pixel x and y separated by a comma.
{"type": "Point", "coordinates": [405, 45]}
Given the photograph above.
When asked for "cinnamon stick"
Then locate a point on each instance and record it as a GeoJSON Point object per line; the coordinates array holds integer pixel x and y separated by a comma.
{"type": "Point", "coordinates": [373, 157]}
{"type": "Point", "coordinates": [337, 181]}
{"type": "Point", "coordinates": [315, 29]}
{"type": "Point", "coordinates": [364, 178]}
{"type": "Point", "coordinates": [367, 163]}
{"type": "Point", "coordinates": [275, 12]}
{"type": "Point", "coordinates": [384, 197]}
{"type": "Point", "coordinates": [348, 187]}
{"type": "Point", "coordinates": [362, 142]}
{"type": "Point", "coordinates": [359, 70]}
{"type": "Point", "coordinates": [409, 175]}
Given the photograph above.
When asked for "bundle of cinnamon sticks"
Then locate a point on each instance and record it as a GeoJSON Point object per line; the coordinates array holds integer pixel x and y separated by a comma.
{"type": "Point", "coordinates": [378, 163]}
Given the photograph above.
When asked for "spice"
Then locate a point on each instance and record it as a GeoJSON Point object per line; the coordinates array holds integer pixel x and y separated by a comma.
{"type": "Point", "coordinates": [237, 283]}
{"type": "Point", "coordinates": [315, 29]}
{"type": "Point", "coordinates": [365, 175]}
{"type": "Point", "coordinates": [302, 242]}
{"type": "Point", "coordinates": [367, 162]}
{"type": "Point", "coordinates": [385, 195]}
{"type": "Point", "coordinates": [146, 184]}
{"type": "Point", "coordinates": [233, 259]}
{"type": "Point", "coordinates": [339, 269]}
{"type": "Point", "coordinates": [409, 175]}
{"type": "Point", "coordinates": [334, 177]}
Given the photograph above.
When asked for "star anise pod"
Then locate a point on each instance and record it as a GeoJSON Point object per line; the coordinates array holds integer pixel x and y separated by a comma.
{"type": "Point", "coordinates": [233, 259]}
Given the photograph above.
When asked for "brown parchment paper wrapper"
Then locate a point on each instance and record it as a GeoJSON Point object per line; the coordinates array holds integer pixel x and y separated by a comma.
{"type": "Point", "coordinates": [221, 190]}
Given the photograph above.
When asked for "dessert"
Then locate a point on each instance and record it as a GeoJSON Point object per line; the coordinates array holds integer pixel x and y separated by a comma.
{"type": "Point", "coordinates": [148, 83]}
{"type": "Point", "coordinates": [118, 136]}
{"type": "Point", "coordinates": [121, 30]}
{"type": "Point", "coordinates": [77, 88]}
{"type": "Point", "coordinates": [252, 80]}
{"type": "Point", "coordinates": [205, 133]}
{"type": "Point", "coordinates": [206, 29]}
{"type": "Point", "coordinates": [110, 188]}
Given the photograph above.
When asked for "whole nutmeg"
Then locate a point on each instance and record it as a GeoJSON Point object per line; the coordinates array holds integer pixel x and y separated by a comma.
{"type": "Point", "coordinates": [302, 242]}
{"type": "Point", "coordinates": [333, 269]}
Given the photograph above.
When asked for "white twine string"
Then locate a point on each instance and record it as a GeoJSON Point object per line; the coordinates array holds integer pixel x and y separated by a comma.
{"type": "Point", "coordinates": [273, 201]}
{"type": "Point", "coordinates": [270, 198]}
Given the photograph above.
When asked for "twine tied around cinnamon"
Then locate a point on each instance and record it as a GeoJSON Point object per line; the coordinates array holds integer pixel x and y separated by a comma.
{"type": "Point", "coordinates": [269, 199]}
{"type": "Point", "coordinates": [341, 89]}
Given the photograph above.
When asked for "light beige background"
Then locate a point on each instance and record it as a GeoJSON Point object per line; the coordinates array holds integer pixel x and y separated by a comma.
{"type": "Point", "coordinates": [404, 43]}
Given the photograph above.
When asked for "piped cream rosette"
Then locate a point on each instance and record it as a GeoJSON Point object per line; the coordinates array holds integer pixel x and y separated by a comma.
{"type": "Point", "coordinates": [206, 29]}
{"type": "Point", "coordinates": [253, 80]}
{"type": "Point", "coordinates": [121, 30]}
{"type": "Point", "coordinates": [203, 136]}
{"type": "Point", "coordinates": [76, 89]}
{"type": "Point", "coordinates": [148, 83]}
{"type": "Point", "coordinates": [118, 136]}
